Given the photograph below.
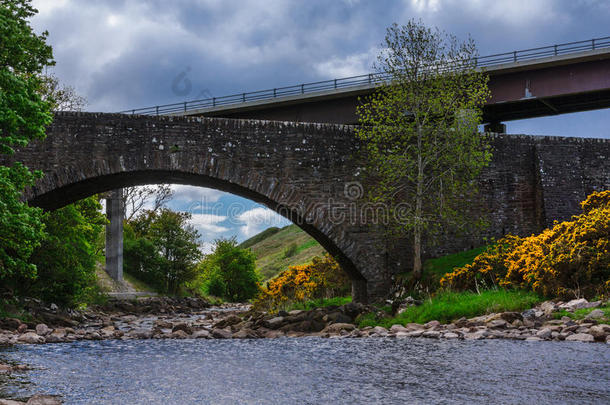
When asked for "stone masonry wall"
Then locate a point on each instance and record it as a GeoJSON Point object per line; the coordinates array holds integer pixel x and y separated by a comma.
{"type": "Point", "coordinates": [309, 173]}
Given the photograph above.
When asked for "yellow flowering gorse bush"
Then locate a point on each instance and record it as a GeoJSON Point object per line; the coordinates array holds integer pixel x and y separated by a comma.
{"type": "Point", "coordinates": [570, 259]}
{"type": "Point", "coordinates": [322, 278]}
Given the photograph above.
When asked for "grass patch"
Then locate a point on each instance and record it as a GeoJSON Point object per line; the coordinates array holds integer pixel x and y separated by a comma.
{"type": "Point", "coordinates": [449, 306]}
{"type": "Point", "coordinates": [320, 303]}
{"type": "Point", "coordinates": [435, 269]}
{"type": "Point", "coordinates": [138, 284]}
{"type": "Point", "coordinates": [582, 313]}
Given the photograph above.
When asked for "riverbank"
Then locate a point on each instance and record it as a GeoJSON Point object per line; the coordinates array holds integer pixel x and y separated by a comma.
{"type": "Point", "coordinates": [188, 318]}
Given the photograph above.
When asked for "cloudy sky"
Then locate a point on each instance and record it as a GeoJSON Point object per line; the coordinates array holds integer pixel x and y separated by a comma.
{"type": "Point", "coordinates": [123, 54]}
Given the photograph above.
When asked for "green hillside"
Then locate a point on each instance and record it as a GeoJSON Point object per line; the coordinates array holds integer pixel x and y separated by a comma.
{"type": "Point", "coordinates": [276, 249]}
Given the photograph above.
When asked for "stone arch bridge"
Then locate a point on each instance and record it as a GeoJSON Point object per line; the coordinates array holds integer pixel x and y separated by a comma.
{"type": "Point", "coordinates": [308, 173]}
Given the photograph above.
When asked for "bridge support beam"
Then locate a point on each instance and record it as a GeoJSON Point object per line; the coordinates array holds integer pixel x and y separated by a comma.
{"type": "Point", "coordinates": [495, 126]}
{"type": "Point", "coordinates": [114, 235]}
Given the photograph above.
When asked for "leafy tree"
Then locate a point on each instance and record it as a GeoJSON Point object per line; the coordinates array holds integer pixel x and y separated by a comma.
{"type": "Point", "coordinates": [67, 257]}
{"type": "Point", "coordinates": [23, 117]}
{"type": "Point", "coordinates": [230, 270]}
{"type": "Point", "coordinates": [420, 132]}
{"type": "Point", "coordinates": [162, 249]}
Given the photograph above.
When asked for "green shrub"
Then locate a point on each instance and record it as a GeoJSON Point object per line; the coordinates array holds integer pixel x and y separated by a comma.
{"type": "Point", "coordinates": [291, 250]}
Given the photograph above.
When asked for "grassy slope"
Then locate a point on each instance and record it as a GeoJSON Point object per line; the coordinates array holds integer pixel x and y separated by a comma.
{"type": "Point", "coordinates": [270, 251]}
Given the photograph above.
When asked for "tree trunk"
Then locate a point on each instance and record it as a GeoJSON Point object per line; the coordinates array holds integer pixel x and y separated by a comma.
{"type": "Point", "coordinates": [419, 197]}
{"type": "Point", "coordinates": [417, 265]}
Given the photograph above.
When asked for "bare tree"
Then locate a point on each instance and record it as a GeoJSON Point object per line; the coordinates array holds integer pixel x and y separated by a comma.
{"type": "Point", "coordinates": [135, 199]}
{"type": "Point", "coordinates": [63, 97]}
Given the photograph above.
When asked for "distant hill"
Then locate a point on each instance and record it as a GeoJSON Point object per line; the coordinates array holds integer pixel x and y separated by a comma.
{"type": "Point", "coordinates": [276, 249]}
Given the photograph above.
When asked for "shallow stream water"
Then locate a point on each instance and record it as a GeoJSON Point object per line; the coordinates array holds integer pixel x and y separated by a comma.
{"type": "Point", "coordinates": [313, 371]}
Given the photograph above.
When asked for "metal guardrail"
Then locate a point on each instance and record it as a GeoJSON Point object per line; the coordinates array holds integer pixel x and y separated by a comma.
{"type": "Point", "coordinates": [367, 79]}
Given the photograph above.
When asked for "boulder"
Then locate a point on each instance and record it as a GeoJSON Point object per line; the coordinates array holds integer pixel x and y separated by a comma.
{"type": "Point", "coordinates": [380, 330]}
{"type": "Point", "coordinates": [399, 328]}
{"type": "Point", "coordinates": [431, 324]}
{"type": "Point", "coordinates": [580, 337]}
{"type": "Point", "coordinates": [221, 333]}
{"type": "Point", "coordinates": [451, 335]}
{"type": "Point", "coordinates": [42, 329]}
{"type": "Point", "coordinates": [179, 334]}
{"type": "Point", "coordinates": [182, 326]}
{"type": "Point", "coordinates": [338, 327]}
{"type": "Point", "coordinates": [44, 400]}
{"type": "Point", "coordinates": [244, 334]}
{"type": "Point", "coordinates": [228, 321]}
{"type": "Point", "coordinates": [140, 333]}
{"type": "Point", "coordinates": [510, 317]}
{"type": "Point", "coordinates": [31, 338]}
{"type": "Point", "coordinates": [10, 402]}
{"type": "Point", "coordinates": [275, 323]}
{"type": "Point", "coordinates": [575, 304]}
{"type": "Point", "coordinates": [599, 332]}
{"type": "Point", "coordinates": [596, 314]}
{"type": "Point", "coordinates": [497, 323]}
{"type": "Point", "coordinates": [434, 334]}
{"type": "Point", "coordinates": [200, 334]}
{"type": "Point", "coordinates": [544, 333]}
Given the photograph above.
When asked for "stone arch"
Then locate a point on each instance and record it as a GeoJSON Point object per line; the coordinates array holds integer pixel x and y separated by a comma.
{"type": "Point", "coordinates": [297, 170]}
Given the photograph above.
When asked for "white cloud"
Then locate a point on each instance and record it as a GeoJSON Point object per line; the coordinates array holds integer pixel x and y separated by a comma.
{"type": "Point", "coordinates": [207, 224]}
{"type": "Point", "coordinates": [259, 218]}
{"type": "Point", "coordinates": [350, 65]}
{"type": "Point", "coordinates": [195, 194]}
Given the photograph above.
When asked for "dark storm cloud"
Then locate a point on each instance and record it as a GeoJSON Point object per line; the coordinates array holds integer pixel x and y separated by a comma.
{"type": "Point", "coordinates": [126, 54]}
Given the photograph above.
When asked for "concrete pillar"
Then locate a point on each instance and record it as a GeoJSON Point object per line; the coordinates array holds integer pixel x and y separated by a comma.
{"type": "Point", "coordinates": [114, 235]}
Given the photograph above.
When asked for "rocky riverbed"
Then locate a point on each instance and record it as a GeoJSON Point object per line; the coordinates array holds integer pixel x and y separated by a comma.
{"type": "Point", "coordinates": [187, 318]}
{"type": "Point", "coordinates": [167, 318]}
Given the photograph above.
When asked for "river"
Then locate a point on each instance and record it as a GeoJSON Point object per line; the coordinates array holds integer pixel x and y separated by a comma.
{"type": "Point", "coordinates": [313, 371]}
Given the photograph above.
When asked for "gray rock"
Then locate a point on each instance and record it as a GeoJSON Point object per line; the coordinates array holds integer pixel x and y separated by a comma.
{"type": "Point", "coordinates": [432, 324]}
{"type": "Point", "coordinates": [10, 402]}
{"type": "Point", "coordinates": [497, 323]}
{"type": "Point", "coordinates": [140, 333]}
{"type": "Point", "coordinates": [532, 339]}
{"type": "Point", "coordinates": [338, 327]}
{"type": "Point", "coordinates": [275, 323]}
{"type": "Point", "coordinates": [380, 330]}
{"type": "Point", "coordinates": [544, 333]}
{"type": "Point", "coordinates": [599, 332]}
{"type": "Point", "coordinates": [434, 334]}
{"type": "Point", "coordinates": [580, 337]}
{"type": "Point", "coordinates": [221, 333]}
{"type": "Point", "coordinates": [399, 328]}
{"type": "Point", "coordinates": [42, 329]}
{"type": "Point", "coordinates": [179, 334]}
{"type": "Point", "coordinates": [44, 400]}
{"type": "Point", "coordinates": [201, 334]}
{"type": "Point", "coordinates": [451, 335]}
{"type": "Point", "coordinates": [575, 304]}
{"type": "Point", "coordinates": [31, 338]}
{"type": "Point", "coordinates": [595, 314]}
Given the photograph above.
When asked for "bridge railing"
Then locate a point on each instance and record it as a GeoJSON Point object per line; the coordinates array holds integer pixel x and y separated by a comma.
{"type": "Point", "coordinates": [367, 79]}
